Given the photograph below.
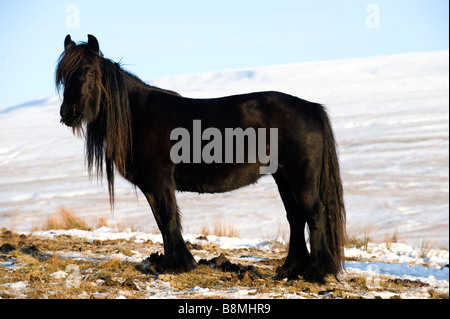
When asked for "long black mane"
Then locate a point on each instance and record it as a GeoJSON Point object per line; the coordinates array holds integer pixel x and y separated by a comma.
{"type": "Point", "coordinates": [109, 135]}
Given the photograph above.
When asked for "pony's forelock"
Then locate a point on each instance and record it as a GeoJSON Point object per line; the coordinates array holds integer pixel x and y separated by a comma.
{"type": "Point", "coordinates": [70, 60]}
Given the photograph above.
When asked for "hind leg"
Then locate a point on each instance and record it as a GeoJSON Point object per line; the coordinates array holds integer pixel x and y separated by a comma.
{"type": "Point", "coordinates": [322, 261]}
{"type": "Point", "coordinates": [297, 260]}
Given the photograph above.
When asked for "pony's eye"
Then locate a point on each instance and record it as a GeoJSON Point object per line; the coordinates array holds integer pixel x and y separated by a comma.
{"type": "Point", "coordinates": [91, 71]}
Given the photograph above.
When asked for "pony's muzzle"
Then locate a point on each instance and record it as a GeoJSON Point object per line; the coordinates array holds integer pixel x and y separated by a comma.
{"type": "Point", "coordinates": [68, 114]}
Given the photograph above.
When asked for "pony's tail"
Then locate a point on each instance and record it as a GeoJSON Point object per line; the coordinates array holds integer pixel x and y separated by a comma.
{"type": "Point", "coordinates": [332, 197]}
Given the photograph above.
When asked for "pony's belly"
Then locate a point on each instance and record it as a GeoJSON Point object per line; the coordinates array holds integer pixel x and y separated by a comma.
{"type": "Point", "coordinates": [215, 178]}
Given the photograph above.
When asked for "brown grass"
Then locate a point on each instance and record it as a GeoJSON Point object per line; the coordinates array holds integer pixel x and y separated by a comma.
{"type": "Point", "coordinates": [359, 239]}
{"type": "Point", "coordinates": [221, 229]}
{"type": "Point", "coordinates": [390, 239]}
{"type": "Point", "coordinates": [425, 247]}
{"type": "Point", "coordinates": [66, 219]}
{"type": "Point", "coordinates": [103, 274]}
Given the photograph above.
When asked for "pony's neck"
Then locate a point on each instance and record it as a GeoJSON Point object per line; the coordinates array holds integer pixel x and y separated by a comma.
{"type": "Point", "coordinates": [137, 89]}
{"type": "Point", "coordinates": [134, 84]}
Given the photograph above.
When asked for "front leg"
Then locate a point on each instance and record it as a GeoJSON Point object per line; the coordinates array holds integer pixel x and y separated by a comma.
{"type": "Point", "coordinates": [177, 258]}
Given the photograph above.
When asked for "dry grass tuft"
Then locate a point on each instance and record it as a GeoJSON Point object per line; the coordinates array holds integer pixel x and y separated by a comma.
{"type": "Point", "coordinates": [390, 239]}
{"type": "Point", "coordinates": [358, 240]}
{"type": "Point", "coordinates": [425, 247]}
{"type": "Point", "coordinates": [66, 219]}
{"type": "Point", "coordinates": [221, 229]}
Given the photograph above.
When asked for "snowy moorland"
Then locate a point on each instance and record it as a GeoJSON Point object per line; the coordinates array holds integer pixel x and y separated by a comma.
{"type": "Point", "coordinates": [391, 119]}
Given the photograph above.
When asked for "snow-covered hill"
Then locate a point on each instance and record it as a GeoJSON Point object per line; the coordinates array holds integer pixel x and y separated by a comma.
{"type": "Point", "coordinates": [391, 118]}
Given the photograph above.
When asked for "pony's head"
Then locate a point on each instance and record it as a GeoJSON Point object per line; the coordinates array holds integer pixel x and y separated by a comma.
{"type": "Point", "coordinates": [79, 71]}
{"type": "Point", "coordinates": [95, 101]}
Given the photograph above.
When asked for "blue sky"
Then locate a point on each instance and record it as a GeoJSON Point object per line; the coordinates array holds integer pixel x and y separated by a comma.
{"type": "Point", "coordinates": [163, 38]}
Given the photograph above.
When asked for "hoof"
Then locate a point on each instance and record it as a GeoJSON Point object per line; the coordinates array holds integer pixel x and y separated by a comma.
{"type": "Point", "coordinates": [166, 265]}
{"type": "Point", "coordinates": [286, 272]}
{"type": "Point", "coordinates": [291, 269]}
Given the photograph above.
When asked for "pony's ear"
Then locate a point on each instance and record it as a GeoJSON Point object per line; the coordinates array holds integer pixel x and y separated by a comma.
{"type": "Point", "coordinates": [68, 42]}
{"type": "Point", "coordinates": [93, 43]}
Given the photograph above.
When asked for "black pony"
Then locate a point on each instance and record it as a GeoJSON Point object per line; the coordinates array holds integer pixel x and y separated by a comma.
{"type": "Point", "coordinates": [129, 125]}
